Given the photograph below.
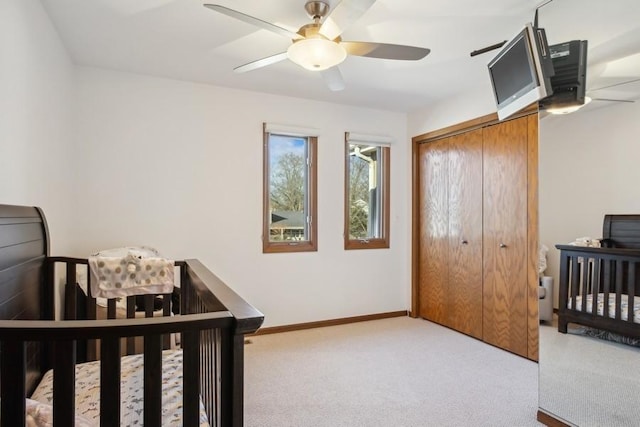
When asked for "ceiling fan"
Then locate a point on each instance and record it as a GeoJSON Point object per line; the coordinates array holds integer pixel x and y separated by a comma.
{"type": "Point", "coordinates": [592, 96]}
{"type": "Point", "coordinates": [317, 46]}
{"type": "Point", "coordinates": [573, 91]}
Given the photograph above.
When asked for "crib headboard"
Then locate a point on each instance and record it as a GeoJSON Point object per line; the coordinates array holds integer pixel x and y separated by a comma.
{"type": "Point", "coordinates": [24, 246]}
{"type": "Point", "coordinates": [621, 231]}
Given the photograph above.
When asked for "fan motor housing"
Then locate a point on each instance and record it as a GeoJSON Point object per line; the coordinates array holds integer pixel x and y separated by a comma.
{"type": "Point", "coordinates": [312, 31]}
{"type": "Point", "coordinates": [317, 9]}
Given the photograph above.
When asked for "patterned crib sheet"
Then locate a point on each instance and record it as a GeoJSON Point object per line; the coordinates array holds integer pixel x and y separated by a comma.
{"type": "Point", "coordinates": [624, 304]}
{"type": "Point", "coordinates": [131, 391]}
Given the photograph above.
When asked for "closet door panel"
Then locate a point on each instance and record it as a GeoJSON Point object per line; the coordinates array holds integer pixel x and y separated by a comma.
{"type": "Point", "coordinates": [465, 233]}
{"type": "Point", "coordinates": [433, 231]}
{"type": "Point", "coordinates": [505, 235]}
{"type": "Point", "coordinates": [532, 271]}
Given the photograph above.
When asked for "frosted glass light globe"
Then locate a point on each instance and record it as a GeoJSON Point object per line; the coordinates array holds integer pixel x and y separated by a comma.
{"type": "Point", "coordinates": [316, 54]}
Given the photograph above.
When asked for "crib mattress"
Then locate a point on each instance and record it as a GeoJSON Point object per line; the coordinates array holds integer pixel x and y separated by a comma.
{"type": "Point", "coordinates": [624, 304]}
{"type": "Point", "coordinates": [131, 391]}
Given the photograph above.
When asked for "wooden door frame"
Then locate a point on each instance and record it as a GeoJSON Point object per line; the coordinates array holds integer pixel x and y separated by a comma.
{"type": "Point", "coordinates": [466, 126]}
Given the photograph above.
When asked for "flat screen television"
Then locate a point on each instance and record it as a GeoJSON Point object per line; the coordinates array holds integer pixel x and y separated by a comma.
{"type": "Point", "coordinates": [520, 73]}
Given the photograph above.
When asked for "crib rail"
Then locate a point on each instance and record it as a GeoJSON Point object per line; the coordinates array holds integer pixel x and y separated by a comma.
{"type": "Point", "coordinates": [606, 276]}
{"type": "Point", "coordinates": [203, 290]}
{"type": "Point", "coordinates": [212, 325]}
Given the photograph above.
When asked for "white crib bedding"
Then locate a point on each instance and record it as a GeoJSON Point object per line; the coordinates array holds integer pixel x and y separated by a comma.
{"type": "Point", "coordinates": [624, 305]}
{"type": "Point", "coordinates": [131, 391]}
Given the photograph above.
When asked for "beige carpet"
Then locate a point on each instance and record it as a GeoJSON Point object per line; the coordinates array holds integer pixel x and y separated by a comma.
{"type": "Point", "coordinates": [589, 381]}
{"type": "Point", "coordinates": [394, 372]}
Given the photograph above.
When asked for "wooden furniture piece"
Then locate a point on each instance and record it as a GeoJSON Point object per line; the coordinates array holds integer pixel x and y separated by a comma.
{"type": "Point", "coordinates": [607, 278]}
{"type": "Point", "coordinates": [505, 228]}
{"type": "Point", "coordinates": [212, 324]}
{"type": "Point", "coordinates": [476, 230]}
{"type": "Point", "coordinates": [451, 232]}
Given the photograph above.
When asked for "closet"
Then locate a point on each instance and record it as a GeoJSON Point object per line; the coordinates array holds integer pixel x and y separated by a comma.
{"type": "Point", "coordinates": [475, 231]}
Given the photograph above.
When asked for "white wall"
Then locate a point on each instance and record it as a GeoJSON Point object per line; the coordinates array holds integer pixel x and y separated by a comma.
{"type": "Point", "coordinates": [463, 107]}
{"type": "Point", "coordinates": [178, 166]}
{"type": "Point", "coordinates": [588, 168]}
{"type": "Point", "coordinates": [36, 108]}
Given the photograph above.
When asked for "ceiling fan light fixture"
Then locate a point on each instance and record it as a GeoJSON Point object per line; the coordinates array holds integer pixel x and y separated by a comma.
{"type": "Point", "coordinates": [316, 54]}
{"type": "Point", "coordinates": [570, 108]}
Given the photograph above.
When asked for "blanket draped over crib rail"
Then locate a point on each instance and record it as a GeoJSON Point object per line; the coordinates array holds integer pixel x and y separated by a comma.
{"type": "Point", "coordinates": [129, 271]}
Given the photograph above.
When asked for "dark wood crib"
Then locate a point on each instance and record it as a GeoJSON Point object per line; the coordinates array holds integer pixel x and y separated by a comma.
{"type": "Point", "coordinates": [596, 284]}
{"type": "Point", "coordinates": [211, 325]}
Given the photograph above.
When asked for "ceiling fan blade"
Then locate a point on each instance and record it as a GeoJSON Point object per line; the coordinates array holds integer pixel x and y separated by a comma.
{"type": "Point", "coordinates": [333, 78]}
{"type": "Point", "coordinates": [630, 101]}
{"type": "Point", "coordinates": [614, 85]}
{"type": "Point", "coordinates": [259, 63]}
{"type": "Point", "coordinates": [344, 14]}
{"type": "Point", "coordinates": [385, 50]}
{"type": "Point", "coordinates": [254, 21]}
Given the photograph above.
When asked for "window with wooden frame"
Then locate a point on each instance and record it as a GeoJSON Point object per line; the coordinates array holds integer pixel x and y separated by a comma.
{"type": "Point", "coordinates": [289, 190]}
{"type": "Point", "coordinates": [366, 202]}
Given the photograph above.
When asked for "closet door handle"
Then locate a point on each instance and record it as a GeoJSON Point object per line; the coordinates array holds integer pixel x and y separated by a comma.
{"type": "Point", "coordinates": [502, 245]}
{"type": "Point", "coordinates": [464, 241]}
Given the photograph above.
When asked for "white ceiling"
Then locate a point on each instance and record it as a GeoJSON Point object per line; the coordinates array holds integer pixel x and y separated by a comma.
{"type": "Point", "coordinates": [181, 39]}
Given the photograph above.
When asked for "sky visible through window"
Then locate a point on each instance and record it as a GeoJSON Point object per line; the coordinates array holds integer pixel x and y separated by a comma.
{"type": "Point", "coordinates": [280, 145]}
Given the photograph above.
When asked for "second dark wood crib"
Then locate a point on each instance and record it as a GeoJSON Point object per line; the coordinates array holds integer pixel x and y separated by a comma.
{"type": "Point", "coordinates": [600, 287]}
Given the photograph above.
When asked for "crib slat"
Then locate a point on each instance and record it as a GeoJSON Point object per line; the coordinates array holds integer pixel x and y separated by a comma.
{"type": "Point", "coordinates": [48, 291]}
{"type": "Point", "coordinates": [563, 294]}
{"type": "Point", "coordinates": [131, 307]}
{"type": "Point", "coordinates": [595, 288]}
{"type": "Point", "coordinates": [585, 282]}
{"type": "Point", "coordinates": [110, 382]}
{"type": "Point", "coordinates": [607, 286]}
{"type": "Point", "coordinates": [111, 308]}
{"type": "Point", "coordinates": [214, 386]}
{"type": "Point", "coordinates": [631, 292]}
{"type": "Point", "coordinates": [91, 301]}
{"type": "Point", "coordinates": [148, 305]}
{"type": "Point", "coordinates": [166, 311]}
{"type": "Point", "coordinates": [191, 377]}
{"type": "Point", "coordinates": [166, 304]}
{"type": "Point", "coordinates": [575, 275]}
{"type": "Point", "coordinates": [13, 369]}
{"type": "Point", "coordinates": [619, 276]}
{"type": "Point", "coordinates": [131, 313]}
{"type": "Point", "coordinates": [71, 303]}
{"type": "Point", "coordinates": [64, 382]}
{"type": "Point", "coordinates": [91, 315]}
{"type": "Point", "coordinates": [231, 378]}
{"type": "Point", "coordinates": [213, 360]}
{"type": "Point", "coordinates": [152, 380]}
{"type": "Point", "coordinates": [205, 369]}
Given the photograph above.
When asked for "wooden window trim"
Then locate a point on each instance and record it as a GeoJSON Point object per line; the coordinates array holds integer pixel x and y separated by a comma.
{"type": "Point", "coordinates": [373, 243]}
{"type": "Point", "coordinates": [310, 245]}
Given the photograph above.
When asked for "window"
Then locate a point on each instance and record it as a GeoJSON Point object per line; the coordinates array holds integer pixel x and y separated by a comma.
{"type": "Point", "coordinates": [289, 193]}
{"type": "Point", "coordinates": [366, 194]}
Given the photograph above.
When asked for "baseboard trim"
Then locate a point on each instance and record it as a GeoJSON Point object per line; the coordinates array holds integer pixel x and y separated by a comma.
{"type": "Point", "coordinates": [550, 420]}
{"type": "Point", "coordinates": [331, 322]}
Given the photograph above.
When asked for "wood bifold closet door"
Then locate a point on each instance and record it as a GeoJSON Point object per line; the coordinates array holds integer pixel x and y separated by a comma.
{"type": "Point", "coordinates": [474, 241]}
{"type": "Point", "coordinates": [451, 232]}
{"type": "Point", "coordinates": [504, 319]}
